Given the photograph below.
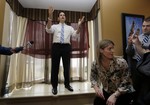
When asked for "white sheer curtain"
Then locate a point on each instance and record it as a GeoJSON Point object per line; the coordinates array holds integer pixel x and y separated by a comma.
{"type": "Point", "coordinates": [5, 42]}
{"type": "Point", "coordinates": [14, 31]}
{"type": "Point", "coordinates": [95, 34]}
{"type": "Point", "coordinates": [79, 69]}
{"type": "Point", "coordinates": [6, 31]}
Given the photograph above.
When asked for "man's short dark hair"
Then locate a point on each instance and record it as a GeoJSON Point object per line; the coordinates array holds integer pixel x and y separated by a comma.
{"type": "Point", "coordinates": [60, 12]}
{"type": "Point", "coordinates": [147, 19]}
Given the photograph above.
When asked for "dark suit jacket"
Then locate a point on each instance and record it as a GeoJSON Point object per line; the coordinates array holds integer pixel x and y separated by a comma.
{"type": "Point", "coordinates": [142, 84]}
{"type": "Point", "coordinates": [5, 50]}
{"type": "Point", "coordinates": [144, 66]}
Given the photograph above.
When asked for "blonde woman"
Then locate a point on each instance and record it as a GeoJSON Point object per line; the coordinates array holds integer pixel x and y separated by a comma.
{"type": "Point", "coordinates": [112, 73]}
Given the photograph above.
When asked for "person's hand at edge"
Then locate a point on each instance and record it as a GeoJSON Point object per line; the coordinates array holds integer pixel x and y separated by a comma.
{"type": "Point", "coordinates": [16, 49]}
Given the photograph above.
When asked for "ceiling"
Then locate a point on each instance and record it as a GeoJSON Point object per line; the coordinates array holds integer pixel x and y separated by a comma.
{"type": "Point", "coordinates": [68, 5]}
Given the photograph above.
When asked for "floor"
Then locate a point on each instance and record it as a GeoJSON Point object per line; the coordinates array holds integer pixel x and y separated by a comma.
{"type": "Point", "coordinates": [45, 90]}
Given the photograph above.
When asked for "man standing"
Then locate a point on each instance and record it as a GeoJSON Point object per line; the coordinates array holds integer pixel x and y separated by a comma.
{"type": "Point", "coordinates": [145, 41]}
{"type": "Point", "coordinates": [61, 48]}
{"type": "Point", "coordinates": [132, 53]}
{"type": "Point", "coordinates": [143, 74]}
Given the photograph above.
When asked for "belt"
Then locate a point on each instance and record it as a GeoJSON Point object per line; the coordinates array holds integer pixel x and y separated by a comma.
{"type": "Point", "coordinates": [62, 43]}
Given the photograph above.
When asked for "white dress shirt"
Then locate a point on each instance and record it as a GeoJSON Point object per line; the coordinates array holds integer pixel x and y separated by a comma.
{"type": "Point", "coordinates": [144, 45]}
{"type": "Point", "coordinates": [56, 31]}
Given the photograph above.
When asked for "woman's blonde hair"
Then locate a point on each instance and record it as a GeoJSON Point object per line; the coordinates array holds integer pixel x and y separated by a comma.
{"type": "Point", "coordinates": [101, 45]}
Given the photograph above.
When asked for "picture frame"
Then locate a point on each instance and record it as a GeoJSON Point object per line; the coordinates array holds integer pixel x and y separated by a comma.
{"type": "Point", "coordinates": [131, 24]}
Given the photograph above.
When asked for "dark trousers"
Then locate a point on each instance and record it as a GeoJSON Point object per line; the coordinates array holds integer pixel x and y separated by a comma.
{"type": "Point", "coordinates": [142, 96]}
{"type": "Point", "coordinates": [58, 51]}
{"type": "Point", "coordinates": [124, 99]}
{"type": "Point", "coordinates": [141, 85]}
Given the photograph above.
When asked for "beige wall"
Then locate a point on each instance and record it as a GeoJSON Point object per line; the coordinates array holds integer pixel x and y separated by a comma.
{"type": "Point", "coordinates": [111, 18]}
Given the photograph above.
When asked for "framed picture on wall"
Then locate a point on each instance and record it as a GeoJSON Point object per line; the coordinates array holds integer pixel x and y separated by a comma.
{"type": "Point", "coordinates": [131, 24]}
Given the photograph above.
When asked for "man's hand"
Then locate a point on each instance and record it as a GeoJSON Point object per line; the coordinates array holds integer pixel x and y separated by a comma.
{"type": "Point", "coordinates": [81, 21]}
{"type": "Point", "coordinates": [135, 40]}
{"type": "Point", "coordinates": [16, 50]}
{"type": "Point", "coordinates": [138, 45]}
{"type": "Point", "coordinates": [50, 11]}
{"type": "Point", "coordinates": [130, 40]}
{"type": "Point", "coordinates": [79, 24]}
